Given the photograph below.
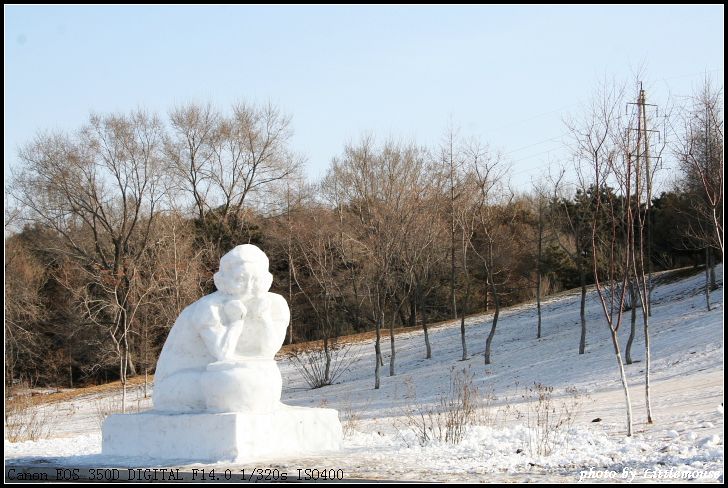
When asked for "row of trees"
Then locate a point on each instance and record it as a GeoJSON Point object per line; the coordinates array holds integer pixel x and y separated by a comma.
{"type": "Point", "coordinates": [617, 158]}
{"type": "Point", "coordinates": [125, 221]}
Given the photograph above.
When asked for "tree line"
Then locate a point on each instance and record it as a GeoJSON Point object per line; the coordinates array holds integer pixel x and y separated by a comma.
{"type": "Point", "coordinates": [112, 229]}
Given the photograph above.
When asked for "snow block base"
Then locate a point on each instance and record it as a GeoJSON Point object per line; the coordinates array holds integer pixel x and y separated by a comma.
{"type": "Point", "coordinates": [214, 437]}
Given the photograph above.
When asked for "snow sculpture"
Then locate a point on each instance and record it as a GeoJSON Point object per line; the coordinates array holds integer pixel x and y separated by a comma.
{"type": "Point", "coordinates": [225, 342]}
{"type": "Point", "coordinates": [217, 386]}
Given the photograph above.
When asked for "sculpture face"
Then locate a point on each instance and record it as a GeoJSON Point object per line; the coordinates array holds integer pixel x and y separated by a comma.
{"type": "Point", "coordinates": [243, 279]}
{"type": "Point", "coordinates": [238, 279]}
{"type": "Point", "coordinates": [244, 272]}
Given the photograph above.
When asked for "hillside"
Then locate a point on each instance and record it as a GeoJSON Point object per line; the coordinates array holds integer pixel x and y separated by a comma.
{"type": "Point", "coordinates": [687, 395]}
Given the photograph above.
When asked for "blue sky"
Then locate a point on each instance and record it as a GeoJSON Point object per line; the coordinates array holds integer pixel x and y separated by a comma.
{"type": "Point", "coordinates": [505, 74]}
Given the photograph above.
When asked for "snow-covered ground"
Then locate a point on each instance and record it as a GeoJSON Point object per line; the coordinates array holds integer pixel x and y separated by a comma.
{"type": "Point", "coordinates": [685, 440]}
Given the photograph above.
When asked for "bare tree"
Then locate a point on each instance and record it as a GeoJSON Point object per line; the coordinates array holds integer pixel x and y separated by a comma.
{"type": "Point", "coordinates": [315, 239]}
{"type": "Point", "coordinates": [452, 162]}
{"type": "Point", "coordinates": [425, 249]}
{"type": "Point", "coordinates": [595, 148]}
{"type": "Point", "coordinates": [464, 208]}
{"type": "Point", "coordinates": [699, 149]}
{"type": "Point", "coordinates": [24, 278]}
{"type": "Point", "coordinates": [488, 172]}
{"type": "Point", "coordinates": [227, 165]}
{"type": "Point", "coordinates": [188, 149]}
{"type": "Point", "coordinates": [99, 191]}
{"type": "Point", "coordinates": [570, 222]}
{"type": "Point", "coordinates": [377, 185]}
{"type": "Point", "coordinates": [424, 260]}
{"type": "Point", "coordinates": [249, 151]}
{"type": "Point", "coordinates": [541, 196]}
{"type": "Point", "coordinates": [171, 275]}
{"type": "Point", "coordinates": [639, 161]}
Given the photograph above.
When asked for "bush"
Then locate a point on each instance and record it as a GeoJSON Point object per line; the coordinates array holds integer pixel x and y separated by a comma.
{"type": "Point", "coordinates": [448, 419]}
{"type": "Point", "coordinates": [25, 420]}
{"type": "Point", "coordinates": [321, 368]}
{"type": "Point", "coordinates": [549, 420]}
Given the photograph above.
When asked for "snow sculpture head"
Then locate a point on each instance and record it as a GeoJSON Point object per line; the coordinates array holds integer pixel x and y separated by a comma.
{"type": "Point", "coordinates": [244, 272]}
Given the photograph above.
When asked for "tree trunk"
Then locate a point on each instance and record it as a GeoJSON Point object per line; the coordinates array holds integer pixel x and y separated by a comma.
{"type": "Point", "coordinates": [463, 312]}
{"type": "Point", "coordinates": [538, 306]}
{"type": "Point", "coordinates": [582, 309]}
{"type": "Point", "coordinates": [453, 305]}
{"type": "Point", "coordinates": [623, 378]}
{"type": "Point", "coordinates": [487, 285]}
{"type": "Point", "coordinates": [327, 372]}
{"type": "Point", "coordinates": [489, 341]}
{"type": "Point", "coordinates": [648, 404]}
{"type": "Point", "coordinates": [400, 314]}
{"type": "Point", "coordinates": [707, 277]}
{"type": "Point", "coordinates": [378, 351]}
{"type": "Point", "coordinates": [290, 298]}
{"type": "Point", "coordinates": [413, 312]}
{"type": "Point", "coordinates": [462, 337]}
{"type": "Point", "coordinates": [122, 370]}
{"type": "Point", "coordinates": [427, 335]}
{"type": "Point", "coordinates": [391, 345]}
{"type": "Point", "coordinates": [131, 369]}
{"type": "Point", "coordinates": [633, 322]}
{"type": "Point", "coordinates": [290, 263]}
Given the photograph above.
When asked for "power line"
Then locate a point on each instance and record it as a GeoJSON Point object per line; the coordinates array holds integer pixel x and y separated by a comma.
{"type": "Point", "coordinates": [692, 74]}
{"type": "Point", "coordinates": [535, 144]}
{"type": "Point", "coordinates": [554, 139]}
{"type": "Point", "coordinates": [534, 117]}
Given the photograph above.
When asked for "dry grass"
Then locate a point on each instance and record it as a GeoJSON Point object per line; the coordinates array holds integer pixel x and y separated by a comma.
{"type": "Point", "coordinates": [25, 419]}
{"type": "Point", "coordinates": [112, 404]}
{"type": "Point", "coordinates": [318, 368]}
{"type": "Point", "coordinates": [351, 417]}
{"type": "Point", "coordinates": [73, 394]}
{"type": "Point", "coordinates": [449, 418]}
{"type": "Point", "coordinates": [549, 420]}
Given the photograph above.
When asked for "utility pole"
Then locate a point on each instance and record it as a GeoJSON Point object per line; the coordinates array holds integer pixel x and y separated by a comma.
{"type": "Point", "coordinates": [648, 216]}
{"type": "Point", "coordinates": [645, 283]}
{"type": "Point", "coordinates": [290, 261]}
{"type": "Point", "coordinates": [538, 263]}
{"type": "Point", "coordinates": [642, 153]}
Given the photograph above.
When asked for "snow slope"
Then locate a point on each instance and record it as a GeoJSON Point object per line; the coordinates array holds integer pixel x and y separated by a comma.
{"type": "Point", "coordinates": [687, 395]}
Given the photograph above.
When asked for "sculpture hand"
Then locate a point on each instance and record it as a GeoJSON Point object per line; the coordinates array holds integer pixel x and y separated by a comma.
{"type": "Point", "coordinates": [235, 310]}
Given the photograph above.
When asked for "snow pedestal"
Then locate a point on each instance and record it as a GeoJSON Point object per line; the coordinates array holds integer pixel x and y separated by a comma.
{"type": "Point", "coordinates": [215, 437]}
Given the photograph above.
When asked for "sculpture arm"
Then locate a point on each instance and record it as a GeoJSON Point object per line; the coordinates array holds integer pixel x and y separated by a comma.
{"type": "Point", "coordinates": [213, 336]}
{"type": "Point", "coordinates": [279, 317]}
{"type": "Point", "coordinates": [219, 339]}
{"type": "Point", "coordinates": [280, 313]}
{"type": "Point", "coordinates": [230, 340]}
{"type": "Point", "coordinates": [222, 328]}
